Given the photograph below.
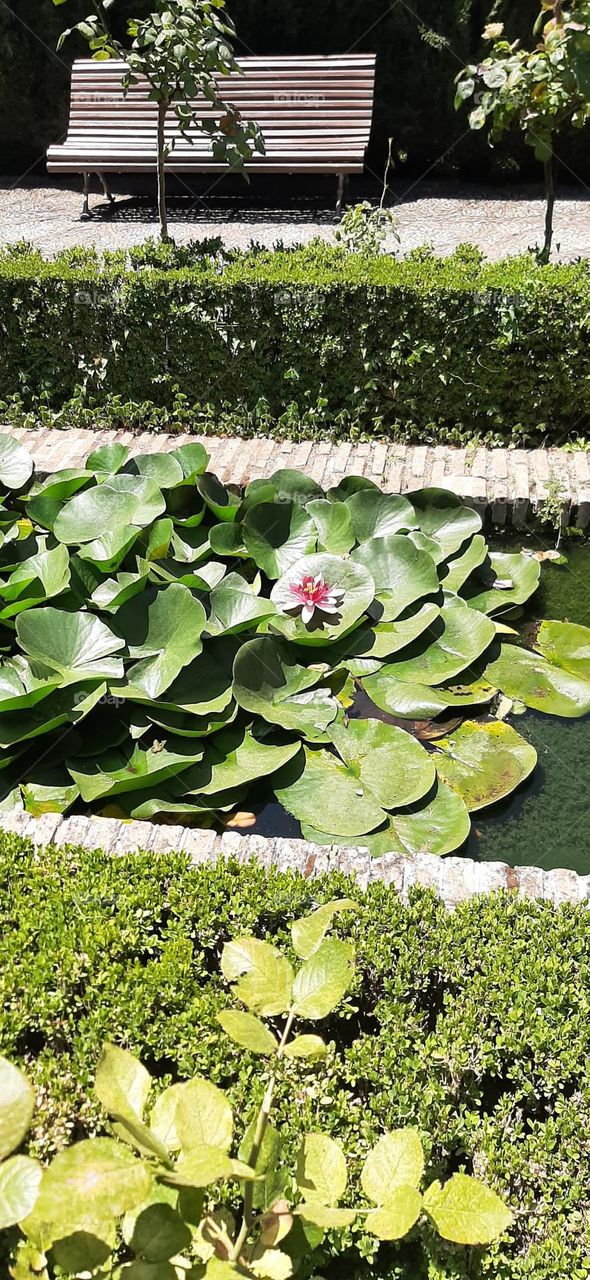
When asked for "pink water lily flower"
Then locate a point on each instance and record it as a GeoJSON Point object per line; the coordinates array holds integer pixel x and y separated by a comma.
{"type": "Point", "coordinates": [312, 595]}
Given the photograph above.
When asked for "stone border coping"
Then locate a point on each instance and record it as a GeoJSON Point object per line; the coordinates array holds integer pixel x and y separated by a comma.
{"type": "Point", "coordinates": [453, 879]}
{"type": "Point", "coordinates": [503, 484]}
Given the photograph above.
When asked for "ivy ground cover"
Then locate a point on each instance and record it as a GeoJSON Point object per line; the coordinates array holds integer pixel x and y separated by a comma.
{"type": "Point", "coordinates": [172, 646]}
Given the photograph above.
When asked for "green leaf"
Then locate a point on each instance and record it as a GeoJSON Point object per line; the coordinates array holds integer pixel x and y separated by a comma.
{"type": "Point", "coordinates": [85, 1250]}
{"type": "Point", "coordinates": [163, 1116]}
{"type": "Point", "coordinates": [221, 501]}
{"type": "Point", "coordinates": [17, 1103]}
{"type": "Point", "coordinates": [110, 594]}
{"type": "Point", "coordinates": [203, 1117]}
{"type": "Point", "coordinates": [271, 683]}
{"type": "Point", "coordinates": [108, 459]}
{"type": "Point", "coordinates": [438, 826]}
{"type": "Point", "coordinates": [323, 980]}
{"type": "Point", "coordinates": [566, 645]}
{"type": "Point", "coordinates": [531, 679]}
{"type": "Point", "coordinates": [159, 1233]}
{"type": "Point", "coordinates": [236, 757]}
{"type": "Point", "coordinates": [48, 790]}
{"type": "Point", "coordinates": [396, 1161]}
{"type": "Point", "coordinates": [37, 579]}
{"type": "Point", "coordinates": [247, 1031]}
{"type": "Point", "coordinates": [325, 1216]}
{"type": "Point", "coordinates": [122, 500]}
{"type": "Point", "coordinates": [385, 760]}
{"type": "Point", "coordinates": [375, 514]}
{"type": "Point", "coordinates": [352, 579]}
{"type": "Point", "coordinates": [322, 789]}
{"type": "Point", "coordinates": [441, 515]}
{"type": "Point", "coordinates": [77, 645]}
{"type": "Point", "coordinates": [16, 465]}
{"type": "Point", "coordinates": [235, 606]}
{"type": "Point", "coordinates": [401, 572]}
{"type": "Point", "coordinates": [164, 632]}
{"type": "Point", "coordinates": [458, 570]}
{"type": "Point", "coordinates": [397, 1215]}
{"type": "Point", "coordinates": [484, 762]}
{"type": "Point", "coordinates": [20, 1179]}
{"type": "Point", "coordinates": [362, 651]}
{"type": "Point", "coordinates": [109, 551]}
{"type": "Point", "coordinates": [193, 459]}
{"type": "Point", "coordinates": [333, 523]}
{"type": "Point", "coordinates": [311, 1047]}
{"type": "Point", "coordinates": [96, 1171]}
{"type": "Point", "coordinates": [420, 701]}
{"type": "Point", "coordinates": [201, 1167]}
{"type": "Point", "coordinates": [163, 468]}
{"type": "Point", "coordinates": [122, 1083]}
{"type": "Point", "coordinates": [465, 1211]}
{"type": "Point", "coordinates": [451, 644]}
{"type": "Point", "coordinates": [278, 535]}
{"type": "Point", "coordinates": [263, 977]}
{"type": "Point", "coordinates": [321, 1172]}
{"type": "Point", "coordinates": [309, 932]}
{"type": "Point", "coordinates": [520, 576]}
{"type": "Point", "coordinates": [132, 767]}
{"type": "Point", "coordinates": [284, 486]}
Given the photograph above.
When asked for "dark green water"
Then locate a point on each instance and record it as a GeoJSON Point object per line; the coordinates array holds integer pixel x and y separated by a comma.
{"type": "Point", "coordinates": [546, 823]}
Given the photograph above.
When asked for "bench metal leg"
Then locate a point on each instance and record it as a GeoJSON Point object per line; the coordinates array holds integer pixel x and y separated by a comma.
{"type": "Point", "coordinates": [85, 214]}
{"type": "Point", "coordinates": [342, 188]}
{"type": "Point", "coordinates": [105, 186]}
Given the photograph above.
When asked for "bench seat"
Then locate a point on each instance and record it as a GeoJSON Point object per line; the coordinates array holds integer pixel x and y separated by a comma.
{"type": "Point", "coordinates": [314, 113]}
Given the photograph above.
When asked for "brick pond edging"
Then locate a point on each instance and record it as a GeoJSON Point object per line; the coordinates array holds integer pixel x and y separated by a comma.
{"type": "Point", "coordinates": [453, 879]}
{"type": "Point", "coordinates": [503, 484]}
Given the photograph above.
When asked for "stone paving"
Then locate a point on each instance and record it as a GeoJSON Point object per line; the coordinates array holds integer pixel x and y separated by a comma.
{"type": "Point", "coordinates": [501, 221]}
{"type": "Point", "coordinates": [505, 484]}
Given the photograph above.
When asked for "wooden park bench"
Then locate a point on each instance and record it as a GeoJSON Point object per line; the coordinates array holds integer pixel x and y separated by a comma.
{"type": "Point", "coordinates": [314, 113]}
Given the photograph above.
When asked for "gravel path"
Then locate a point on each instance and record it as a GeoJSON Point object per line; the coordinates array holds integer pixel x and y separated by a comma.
{"type": "Point", "coordinates": [499, 221]}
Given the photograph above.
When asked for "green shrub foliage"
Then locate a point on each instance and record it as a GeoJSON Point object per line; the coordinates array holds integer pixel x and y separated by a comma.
{"type": "Point", "coordinates": [176, 646]}
{"type": "Point", "coordinates": [164, 1205]}
{"type": "Point", "coordinates": [303, 342]}
{"type": "Point", "coordinates": [471, 1027]}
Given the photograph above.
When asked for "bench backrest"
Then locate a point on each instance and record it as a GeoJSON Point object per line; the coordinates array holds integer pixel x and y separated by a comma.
{"type": "Point", "coordinates": [300, 103]}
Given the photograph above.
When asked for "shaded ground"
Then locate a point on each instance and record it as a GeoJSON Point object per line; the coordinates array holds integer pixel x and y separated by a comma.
{"type": "Point", "coordinates": [500, 221]}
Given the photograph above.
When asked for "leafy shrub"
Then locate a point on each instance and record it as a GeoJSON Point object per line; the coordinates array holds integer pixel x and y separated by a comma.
{"type": "Point", "coordinates": [472, 1027]}
{"type": "Point", "coordinates": [97, 1195]}
{"type": "Point", "coordinates": [179, 647]}
{"type": "Point", "coordinates": [303, 342]}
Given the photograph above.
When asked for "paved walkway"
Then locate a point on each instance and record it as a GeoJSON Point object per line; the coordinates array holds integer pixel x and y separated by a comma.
{"type": "Point", "coordinates": [500, 221]}
{"type": "Point", "coordinates": [504, 483]}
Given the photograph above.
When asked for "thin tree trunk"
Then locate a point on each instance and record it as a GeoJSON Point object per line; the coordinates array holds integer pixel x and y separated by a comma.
{"type": "Point", "coordinates": [549, 207]}
{"type": "Point", "coordinates": [162, 113]}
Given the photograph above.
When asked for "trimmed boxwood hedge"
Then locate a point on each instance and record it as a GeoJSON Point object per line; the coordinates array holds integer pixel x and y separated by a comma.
{"type": "Point", "coordinates": [304, 342]}
{"type": "Point", "coordinates": [475, 1026]}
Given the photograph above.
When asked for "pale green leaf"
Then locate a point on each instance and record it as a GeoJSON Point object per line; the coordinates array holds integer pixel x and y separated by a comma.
{"type": "Point", "coordinates": [323, 979]}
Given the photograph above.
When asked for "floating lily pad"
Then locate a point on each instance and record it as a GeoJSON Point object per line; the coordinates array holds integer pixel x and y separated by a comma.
{"type": "Point", "coordinates": [416, 701]}
{"type": "Point", "coordinates": [443, 516]}
{"type": "Point", "coordinates": [530, 678]}
{"type": "Point", "coordinates": [109, 551]}
{"type": "Point", "coordinates": [163, 468]}
{"type": "Point", "coordinates": [270, 682]}
{"type": "Point", "coordinates": [333, 524]}
{"type": "Point", "coordinates": [459, 569]}
{"type": "Point", "coordinates": [389, 762]}
{"type": "Point", "coordinates": [223, 502]}
{"type": "Point", "coordinates": [375, 514]}
{"type": "Point", "coordinates": [439, 826]}
{"type": "Point", "coordinates": [236, 606]}
{"type": "Point", "coordinates": [566, 645]}
{"type": "Point", "coordinates": [354, 580]}
{"type": "Point", "coordinates": [513, 579]}
{"type": "Point", "coordinates": [379, 641]}
{"type": "Point", "coordinates": [77, 645]}
{"type": "Point", "coordinates": [122, 500]}
{"type": "Point", "coordinates": [237, 757]}
{"type": "Point", "coordinates": [42, 576]}
{"type": "Point", "coordinates": [164, 632]}
{"type": "Point", "coordinates": [132, 767]}
{"type": "Point", "coordinates": [284, 486]}
{"type": "Point", "coordinates": [322, 789]}
{"type": "Point", "coordinates": [451, 644]}
{"type": "Point", "coordinates": [278, 535]}
{"type": "Point", "coordinates": [402, 574]}
{"type": "Point", "coordinates": [484, 762]}
{"type": "Point", "coordinates": [16, 465]}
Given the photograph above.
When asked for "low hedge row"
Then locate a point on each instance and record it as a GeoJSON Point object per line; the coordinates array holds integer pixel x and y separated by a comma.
{"type": "Point", "coordinates": [311, 341]}
{"type": "Point", "coordinates": [474, 1026]}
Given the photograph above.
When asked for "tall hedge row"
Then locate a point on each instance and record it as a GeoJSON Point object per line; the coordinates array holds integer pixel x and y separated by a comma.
{"type": "Point", "coordinates": [303, 342]}
{"type": "Point", "coordinates": [474, 1026]}
{"type": "Point", "coordinates": [420, 48]}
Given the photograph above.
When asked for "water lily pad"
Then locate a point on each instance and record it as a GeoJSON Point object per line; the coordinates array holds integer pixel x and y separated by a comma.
{"type": "Point", "coordinates": [109, 551]}
{"type": "Point", "coordinates": [164, 632]}
{"type": "Point", "coordinates": [530, 678]}
{"type": "Point", "coordinates": [107, 460]}
{"type": "Point", "coordinates": [77, 645]}
{"type": "Point", "coordinates": [203, 688]}
{"type": "Point", "coordinates": [193, 459]}
{"type": "Point", "coordinates": [227, 540]}
{"type": "Point", "coordinates": [512, 580]}
{"type": "Point", "coordinates": [163, 468]}
{"type": "Point", "coordinates": [237, 756]}
{"type": "Point", "coordinates": [121, 500]}
{"type": "Point", "coordinates": [443, 516]}
{"type": "Point", "coordinates": [459, 569]}
{"type": "Point", "coordinates": [334, 526]}
{"type": "Point", "coordinates": [284, 486]}
{"type": "Point", "coordinates": [16, 465]}
{"type": "Point", "coordinates": [132, 767]}
{"type": "Point", "coordinates": [402, 574]}
{"type": "Point", "coordinates": [278, 535]}
{"type": "Point", "coordinates": [375, 514]}
{"type": "Point", "coordinates": [484, 762]}
{"type": "Point", "coordinates": [451, 644]}
{"type": "Point", "coordinates": [354, 580]}
{"type": "Point", "coordinates": [236, 606]}
{"type": "Point", "coordinates": [370, 644]}
{"type": "Point", "coordinates": [223, 502]}
{"type": "Point", "coordinates": [389, 762]}
{"type": "Point", "coordinates": [114, 592]}
{"type": "Point", "coordinates": [42, 576]}
{"type": "Point", "coordinates": [566, 645]}
{"type": "Point", "coordinates": [49, 790]}
{"type": "Point", "coordinates": [270, 682]}
{"type": "Point", "coordinates": [349, 485]}
{"type": "Point", "coordinates": [20, 688]}
{"type": "Point", "coordinates": [439, 826]}
{"type": "Point", "coordinates": [320, 788]}
{"type": "Point", "coordinates": [414, 701]}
